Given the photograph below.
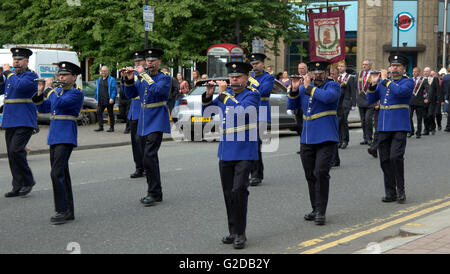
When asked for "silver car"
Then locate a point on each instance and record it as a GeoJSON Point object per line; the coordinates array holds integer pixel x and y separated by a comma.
{"type": "Point", "coordinates": [192, 124]}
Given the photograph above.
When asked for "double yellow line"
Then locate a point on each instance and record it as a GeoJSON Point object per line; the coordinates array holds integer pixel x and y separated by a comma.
{"type": "Point", "coordinates": [441, 203]}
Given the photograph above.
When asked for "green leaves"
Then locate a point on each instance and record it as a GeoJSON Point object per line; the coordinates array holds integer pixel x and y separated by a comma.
{"type": "Point", "coordinates": [109, 30]}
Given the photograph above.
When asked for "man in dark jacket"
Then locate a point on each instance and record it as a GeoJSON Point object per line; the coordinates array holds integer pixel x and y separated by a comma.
{"type": "Point", "coordinates": [418, 101]}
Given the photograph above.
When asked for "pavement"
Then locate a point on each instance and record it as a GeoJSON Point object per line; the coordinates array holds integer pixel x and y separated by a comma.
{"type": "Point", "coordinates": [426, 235]}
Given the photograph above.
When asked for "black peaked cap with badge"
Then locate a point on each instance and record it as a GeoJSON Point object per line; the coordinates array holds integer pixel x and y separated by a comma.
{"type": "Point", "coordinates": [318, 66]}
{"type": "Point", "coordinates": [68, 68]}
{"type": "Point", "coordinates": [398, 59]}
{"type": "Point", "coordinates": [238, 68]}
{"type": "Point", "coordinates": [153, 53]}
{"type": "Point", "coordinates": [138, 55]}
{"type": "Point", "coordinates": [257, 57]}
{"type": "Point", "coordinates": [19, 53]}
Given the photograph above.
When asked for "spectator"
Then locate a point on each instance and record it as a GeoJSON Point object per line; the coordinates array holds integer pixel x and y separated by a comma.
{"type": "Point", "coordinates": [124, 107]}
{"type": "Point", "coordinates": [105, 94]}
{"type": "Point", "coordinates": [204, 76]}
{"type": "Point", "coordinates": [285, 80]}
{"type": "Point", "coordinates": [184, 88]}
{"type": "Point", "coordinates": [269, 70]}
{"type": "Point", "coordinates": [195, 78]}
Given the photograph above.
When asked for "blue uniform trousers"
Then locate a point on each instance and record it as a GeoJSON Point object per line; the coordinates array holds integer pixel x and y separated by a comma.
{"type": "Point", "coordinates": [16, 140]}
{"type": "Point", "coordinates": [234, 177]}
{"type": "Point", "coordinates": [62, 185]}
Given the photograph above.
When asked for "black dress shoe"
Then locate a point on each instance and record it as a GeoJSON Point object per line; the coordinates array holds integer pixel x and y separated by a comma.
{"type": "Point", "coordinates": [387, 199]}
{"type": "Point", "coordinates": [336, 164]}
{"type": "Point", "coordinates": [426, 133]}
{"type": "Point", "coordinates": [339, 145]}
{"type": "Point", "coordinates": [62, 217]}
{"type": "Point", "coordinates": [111, 129]}
{"type": "Point", "coordinates": [126, 131]}
{"type": "Point", "coordinates": [344, 145]}
{"type": "Point", "coordinates": [228, 239]}
{"type": "Point", "coordinates": [12, 193]}
{"type": "Point", "coordinates": [255, 181]}
{"type": "Point", "coordinates": [401, 198]}
{"type": "Point", "coordinates": [373, 152]}
{"type": "Point", "coordinates": [310, 216]}
{"type": "Point", "coordinates": [410, 135]}
{"type": "Point", "coordinates": [363, 143]}
{"type": "Point", "coordinates": [319, 219]}
{"type": "Point", "coordinates": [150, 200]}
{"type": "Point", "coordinates": [25, 190]}
{"type": "Point", "coordinates": [239, 241]}
{"type": "Point", "coordinates": [99, 129]}
{"type": "Point", "coordinates": [418, 136]}
{"type": "Point", "coordinates": [447, 130]}
{"type": "Point", "coordinates": [137, 174]}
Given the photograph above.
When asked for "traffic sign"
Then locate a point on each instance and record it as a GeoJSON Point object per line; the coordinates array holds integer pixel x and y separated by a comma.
{"type": "Point", "coordinates": [149, 13]}
{"type": "Point", "coordinates": [148, 26]}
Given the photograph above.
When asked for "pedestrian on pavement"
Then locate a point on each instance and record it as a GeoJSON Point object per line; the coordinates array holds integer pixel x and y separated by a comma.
{"type": "Point", "coordinates": [430, 107]}
{"type": "Point", "coordinates": [204, 76]}
{"type": "Point", "coordinates": [285, 80]}
{"type": "Point", "coordinates": [365, 109]}
{"type": "Point", "coordinates": [393, 124]}
{"type": "Point", "coordinates": [346, 101]}
{"type": "Point", "coordinates": [137, 145]}
{"type": "Point", "coordinates": [64, 103]}
{"type": "Point", "coordinates": [153, 88]}
{"type": "Point", "coordinates": [319, 98]}
{"type": "Point", "coordinates": [263, 82]}
{"type": "Point", "coordinates": [195, 78]}
{"type": "Point", "coordinates": [418, 102]}
{"type": "Point", "coordinates": [184, 89]}
{"type": "Point", "coordinates": [124, 108]}
{"type": "Point", "coordinates": [19, 118]}
{"type": "Point", "coordinates": [238, 146]}
{"type": "Point", "coordinates": [302, 69]}
{"type": "Point", "coordinates": [105, 94]}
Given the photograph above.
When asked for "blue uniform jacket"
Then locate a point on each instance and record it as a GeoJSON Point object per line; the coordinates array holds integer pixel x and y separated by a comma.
{"type": "Point", "coordinates": [238, 113]}
{"type": "Point", "coordinates": [319, 112]}
{"type": "Point", "coordinates": [64, 106]}
{"type": "Point", "coordinates": [264, 85]}
{"type": "Point", "coordinates": [112, 88]}
{"type": "Point", "coordinates": [19, 110]}
{"type": "Point", "coordinates": [153, 92]}
{"type": "Point", "coordinates": [395, 96]}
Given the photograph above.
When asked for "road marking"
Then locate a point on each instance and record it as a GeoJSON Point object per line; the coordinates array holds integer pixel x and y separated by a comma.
{"type": "Point", "coordinates": [375, 229]}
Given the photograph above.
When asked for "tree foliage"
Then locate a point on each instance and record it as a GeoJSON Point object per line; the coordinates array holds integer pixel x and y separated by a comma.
{"type": "Point", "coordinates": [109, 30]}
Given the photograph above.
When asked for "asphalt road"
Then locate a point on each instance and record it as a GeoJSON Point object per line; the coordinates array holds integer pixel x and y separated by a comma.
{"type": "Point", "coordinates": [192, 217]}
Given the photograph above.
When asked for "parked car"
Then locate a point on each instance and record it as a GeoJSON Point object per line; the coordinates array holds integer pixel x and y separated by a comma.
{"type": "Point", "coordinates": [189, 113]}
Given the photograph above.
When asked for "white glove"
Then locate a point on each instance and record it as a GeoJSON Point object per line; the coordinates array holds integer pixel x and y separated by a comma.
{"type": "Point", "coordinates": [289, 112]}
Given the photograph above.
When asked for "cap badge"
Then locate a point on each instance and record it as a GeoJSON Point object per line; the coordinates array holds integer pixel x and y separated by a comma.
{"type": "Point", "coordinates": [395, 57]}
{"type": "Point", "coordinates": [317, 65]}
{"type": "Point", "coordinates": [253, 56]}
{"type": "Point", "coordinates": [63, 65]}
{"type": "Point", "coordinates": [150, 51]}
{"type": "Point", "coordinates": [17, 50]}
{"type": "Point", "coordinates": [136, 54]}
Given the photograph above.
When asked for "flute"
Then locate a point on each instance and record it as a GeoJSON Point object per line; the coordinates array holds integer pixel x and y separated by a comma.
{"type": "Point", "coordinates": [296, 76]}
{"type": "Point", "coordinates": [56, 82]}
{"type": "Point", "coordinates": [131, 70]}
{"type": "Point", "coordinates": [228, 86]}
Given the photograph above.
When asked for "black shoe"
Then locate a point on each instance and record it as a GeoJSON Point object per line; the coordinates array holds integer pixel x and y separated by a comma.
{"type": "Point", "coordinates": [111, 129]}
{"type": "Point", "coordinates": [62, 217]}
{"type": "Point", "coordinates": [373, 152]}
{"type": "Point", "coordinates": [239, 241]}
{"type": "Point", "coordinates": [433, 132]}
{"type": "Point", "coordinates": [401, 198]}
{"type": "Point", "coordinates": [137, 174]}
{"type": "Point", "coordinates": [418, 136]}
{"type": "Point", "coordinates": [339, 145]}
{"type": "Point", "coordinates": [228, 239]}
{"type": "Point", "coordinates": [364, 143]}
{"type": "Point", "coordinates": [126, 131]}
{"type": "Point", "coordinates": [336, 164]}
{"type": "Point", "coordinates": [99, 129]}
{"type": "Point", "coordinates": [410, 135]}
{"type": "Point", "coordinates": [426, 133]}
{"type": "Point", "coordinates": [387, 199]}
{"type": "Point", "coordinates": [25, 190]}
{"type": "Point", "coordinates": [255, 181]}
{"type": "Point", "coordinates": [319, 219]}
{"type": "Point", "coordinates": [12, 193]}
{"type": "Point", "coordinates": [344, 145]}
{"type": "Point", "coordinates": [150, 200]}
{"type": "Point", "coordinates": [447, 130]}
{"type": "Point", "coordinates": [310, 216]}
{"type": "Point", "coordinates": [298, 152]}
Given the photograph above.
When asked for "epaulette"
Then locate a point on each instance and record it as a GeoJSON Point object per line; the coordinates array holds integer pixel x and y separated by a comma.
{"type": "Point", "coordinates": [253, 81]}
{"type": "Point", "coordinates": [165, 72]}
{"type": "Point", "coordinates": [252, 88]}
{"type": "Point", "coordinates": [78, 87]}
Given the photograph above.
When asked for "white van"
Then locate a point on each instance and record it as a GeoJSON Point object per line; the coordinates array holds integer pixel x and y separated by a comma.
{"type": "Point", "coordinates": [43, 61]}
